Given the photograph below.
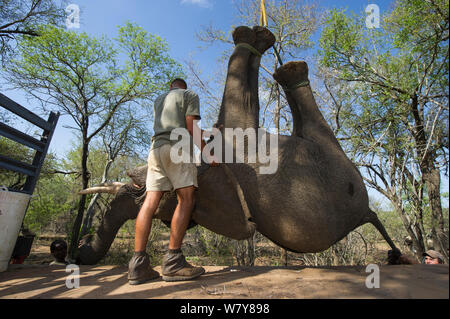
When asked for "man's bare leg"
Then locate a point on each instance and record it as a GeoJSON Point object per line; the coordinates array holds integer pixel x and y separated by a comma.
{"type": "Point", "coordinates": [139, 268]}
{"type": "Point", "coordinates": [181, 216]}
{"type": "Point", "coordinates": [144, 220]}
{"type": "Point", "coordinates": [175, 267]}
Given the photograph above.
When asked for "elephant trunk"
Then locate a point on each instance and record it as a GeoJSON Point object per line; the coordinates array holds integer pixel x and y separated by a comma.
{"type": "Point", "coordinates": [122, 208]}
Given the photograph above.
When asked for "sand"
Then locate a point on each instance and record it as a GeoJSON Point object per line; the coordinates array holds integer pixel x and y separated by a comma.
{"type": "Point", "coordinates": [106, 282]}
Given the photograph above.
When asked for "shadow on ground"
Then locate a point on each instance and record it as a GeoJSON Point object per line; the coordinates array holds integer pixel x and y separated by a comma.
{"type": "Point", "coordinates": [96, 282]}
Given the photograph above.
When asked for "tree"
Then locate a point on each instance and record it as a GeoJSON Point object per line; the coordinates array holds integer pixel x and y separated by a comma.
{"type": "Point", "coordinates": [388, 89]}
{"type": "Point", "coordinates": [126, 135]}
{"type": "Point", "coordinates": [85, 78]}
{"type": "Point", "coordinates": [22, 18]}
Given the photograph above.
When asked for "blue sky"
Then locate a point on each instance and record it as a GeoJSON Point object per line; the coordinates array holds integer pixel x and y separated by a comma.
{"type": "Point", "coordinates": [177, 21]}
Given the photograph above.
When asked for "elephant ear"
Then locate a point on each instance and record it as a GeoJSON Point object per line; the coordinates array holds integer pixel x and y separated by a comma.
{"type": "Point", "coordinates": [168, 223]}
{"type": "Point", "coordinates": [138, 175]}
{"type": "Point", "coordinates": [221, 206]}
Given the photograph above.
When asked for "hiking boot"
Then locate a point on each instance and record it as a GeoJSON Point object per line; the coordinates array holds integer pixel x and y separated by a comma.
{"type": "Point", "coordinates": [139, 270]}
{"type": "Point", "coordinates": [176, 268]}
{"type": "Point", "coordinates": [188, 272]}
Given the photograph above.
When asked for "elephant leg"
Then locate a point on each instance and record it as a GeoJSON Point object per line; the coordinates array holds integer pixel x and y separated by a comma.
{"type": "Point", "coordinates": [237, 95]}
{"type": "Point", "coordinates": [308, 120]}
{"type": "Point", "coordinates": [264, 40]}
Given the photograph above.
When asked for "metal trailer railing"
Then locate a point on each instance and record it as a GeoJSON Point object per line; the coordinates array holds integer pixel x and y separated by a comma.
{"type": "Point", "coordinates": [33, 170]}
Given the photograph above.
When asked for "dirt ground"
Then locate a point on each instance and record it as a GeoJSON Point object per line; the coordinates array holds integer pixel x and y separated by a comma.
{"type": "Point", "coordinates": [100, 282]}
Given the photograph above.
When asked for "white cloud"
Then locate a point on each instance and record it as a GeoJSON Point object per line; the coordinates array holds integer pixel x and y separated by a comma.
{"type": "Point", "coordinates": [201, 3]}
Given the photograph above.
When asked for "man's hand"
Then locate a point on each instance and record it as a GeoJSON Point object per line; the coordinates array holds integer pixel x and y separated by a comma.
{"type": "Point", "coordinates": [214, 164]}
{"type": "Point", "coordinates": [216, 129]}
{"type": "Point", "coordinates": [212, 160]}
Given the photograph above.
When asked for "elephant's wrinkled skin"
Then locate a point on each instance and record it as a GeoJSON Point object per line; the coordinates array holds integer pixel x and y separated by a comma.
{"type": "Point", "coordinates": [315, 198]}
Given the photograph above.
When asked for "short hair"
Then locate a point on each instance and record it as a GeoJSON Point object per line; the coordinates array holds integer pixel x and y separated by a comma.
{"type": "Point", "coordinates": [179, 80]}
{"type": "Point", "coordinates": [58, 245]}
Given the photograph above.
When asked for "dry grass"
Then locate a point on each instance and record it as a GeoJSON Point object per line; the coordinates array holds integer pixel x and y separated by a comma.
{"type": "Point", "coordinates": [202, 247]}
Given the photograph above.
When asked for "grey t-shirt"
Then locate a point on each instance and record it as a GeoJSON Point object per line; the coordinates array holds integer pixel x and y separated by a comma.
{"type": "Point", "coordinates": [170, 111]}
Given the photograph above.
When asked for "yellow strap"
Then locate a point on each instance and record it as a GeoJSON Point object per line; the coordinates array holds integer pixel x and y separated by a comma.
{"type": "Point", "coordinates": [263, 19]}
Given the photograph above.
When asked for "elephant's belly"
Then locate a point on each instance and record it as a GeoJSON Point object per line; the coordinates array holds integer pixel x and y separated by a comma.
{"type": "Point", "coordinates": [310, 203]}
{"type": "Point", "coordinates": [302, 231]}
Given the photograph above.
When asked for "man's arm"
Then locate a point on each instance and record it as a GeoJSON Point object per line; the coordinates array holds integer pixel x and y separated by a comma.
{"type": "Point", "coordinates": [191, 126]}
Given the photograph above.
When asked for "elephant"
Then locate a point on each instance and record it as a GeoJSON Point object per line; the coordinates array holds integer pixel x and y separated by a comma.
{"type": "Point", "coordinates": [313, 200]}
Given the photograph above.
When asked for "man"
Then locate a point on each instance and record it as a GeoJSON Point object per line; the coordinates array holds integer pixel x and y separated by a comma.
{"type": "Point", "coordinates": [178, 108]}
{"type": "Point", "coordinates": [58, 249]}
{"type": "Point", "coordinates": [433, 257]}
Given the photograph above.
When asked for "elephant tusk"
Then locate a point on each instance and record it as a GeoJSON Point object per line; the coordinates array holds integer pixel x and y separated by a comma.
{"type": "Point", "coordinates": [110, 188]}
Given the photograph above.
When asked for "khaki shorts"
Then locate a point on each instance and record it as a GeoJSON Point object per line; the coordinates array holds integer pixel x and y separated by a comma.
{"type": "Point", "coordinates": [164, 175]}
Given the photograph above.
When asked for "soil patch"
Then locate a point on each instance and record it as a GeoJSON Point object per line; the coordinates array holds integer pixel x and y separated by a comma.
{"type": "Point", "coordinates": [105, 281]}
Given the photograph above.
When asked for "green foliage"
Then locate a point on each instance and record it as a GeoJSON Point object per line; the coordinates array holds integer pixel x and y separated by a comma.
{"type": "Point", "coordinates": [87, 77]}
{"type": "Point", "coordinates": [16, 151]}
{"type": "Point", "coordinates": [51, 200]}
{"type": "Point", "coordinates": [21, 153]}
{"type": "Point", "coordinates": [105, 86]}
{"type": "Point", "coordinates": [390, 103]}
{"type": "Point", "coordinates": [384, 69]}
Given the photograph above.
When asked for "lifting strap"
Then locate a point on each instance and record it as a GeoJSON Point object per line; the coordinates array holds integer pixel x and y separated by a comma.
{"type": "Point", "coordinates": [263, 18]}
{"type": "Point", "coordinates": [263, 22]}
{"type": "Point", "coordinates": [250, 48]}
{"type": "Point", "coordinates": [300, 84]}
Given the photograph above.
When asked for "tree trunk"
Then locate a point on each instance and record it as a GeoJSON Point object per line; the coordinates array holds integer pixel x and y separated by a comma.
{"type": "Point", "coordinates": [276, 119]}
{"type": "Point", "coordinates": [415, 233]}
{"type": "Point", "coordinates": [85, 181]}
{"type": "Point", "coordinates": [284, 257]}
{"type": "Point", "coordinates": [432, 179]}
{"type": "Point", "coordinates": [440, 240]}
{"type": "Point", "coordinates": [87, 224]}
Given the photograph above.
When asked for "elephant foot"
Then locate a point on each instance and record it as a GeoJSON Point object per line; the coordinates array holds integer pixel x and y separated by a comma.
{"type": "Point", "coordinates": [244, 34]}
{"type": "Point", "coordinates": [264, 39]}
{"type": "Point", "coordinates": [292, 74]}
